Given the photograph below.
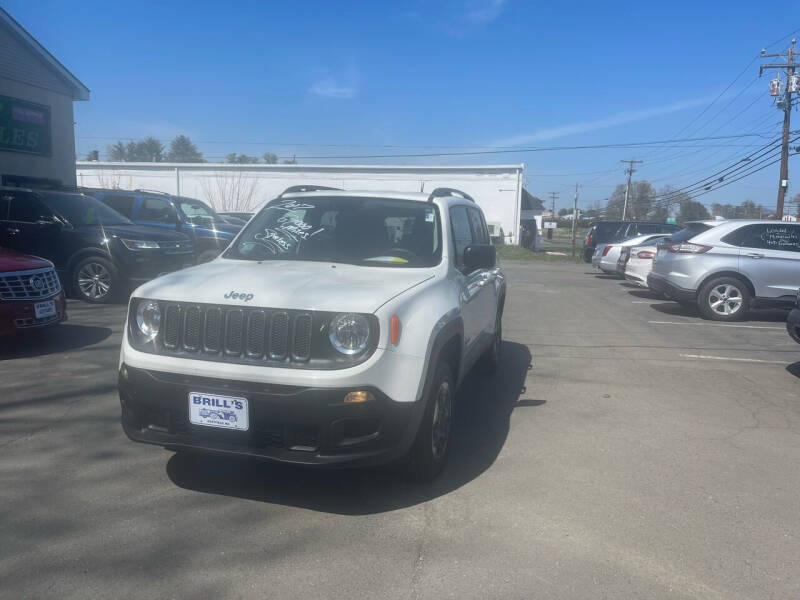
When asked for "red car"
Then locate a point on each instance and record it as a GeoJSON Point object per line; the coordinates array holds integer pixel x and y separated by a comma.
{"type": "Point", "coordinates": [31, 295]}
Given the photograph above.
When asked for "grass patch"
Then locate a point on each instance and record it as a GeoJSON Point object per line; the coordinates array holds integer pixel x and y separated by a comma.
{"type": "Point", "coordinates": [510, 252]}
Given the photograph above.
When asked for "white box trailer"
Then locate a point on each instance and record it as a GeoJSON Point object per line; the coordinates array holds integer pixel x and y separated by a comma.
{"type": "Point", "coordinates": [233, 187]}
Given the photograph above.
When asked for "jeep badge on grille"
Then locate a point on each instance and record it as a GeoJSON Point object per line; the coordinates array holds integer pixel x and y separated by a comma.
{"type": "Point", "coordinates": [238, 296]}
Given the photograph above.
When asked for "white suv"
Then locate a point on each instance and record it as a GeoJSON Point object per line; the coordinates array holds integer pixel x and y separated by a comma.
{"type": "Point", "coordinates": [335, 329]}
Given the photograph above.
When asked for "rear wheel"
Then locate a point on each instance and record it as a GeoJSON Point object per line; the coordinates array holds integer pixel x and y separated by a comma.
{"type": "Point", "coordinates": [724, 299]}
{"type": "Point", "coordinates": [432, 443]}
{"type": "Point", "coordinates": [95, 279]}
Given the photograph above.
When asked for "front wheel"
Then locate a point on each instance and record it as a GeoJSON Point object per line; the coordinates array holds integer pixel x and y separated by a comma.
{"type": "Point", "coordinates": [95, 279]}
{"type": "Point", "coordinates": [724, 299]}
{"type": "Point", "coordinates": [432, 443]}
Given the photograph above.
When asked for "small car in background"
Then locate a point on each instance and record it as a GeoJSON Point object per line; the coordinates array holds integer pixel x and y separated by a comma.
{"type": "Point", "coordinates": [606, 255]}
{"type": "Point", "coordinates": [730, 267]}
{"type": "Point", "coordinates": [793, 321]}
{"type": "Point", "coordinates": [209, 232]}
{"type": "Point", "coordinates": [603, 232]}
{"type": "Point", "coordinates": [639, 255]}
{"type": "Point", "coordinates": [96, 251]}
{"type": "Point", "coordinates": [31, 296]}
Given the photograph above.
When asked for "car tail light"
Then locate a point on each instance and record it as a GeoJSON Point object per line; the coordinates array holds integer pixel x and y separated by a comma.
{"type": "Point", "coordinates": [645, 254]}
{"type": "Point", "coordinates": [590, 240]}
{"type": "Point", "coordinates": [607, 249]}
{"type": "Point", "coordinates": [688, 248]}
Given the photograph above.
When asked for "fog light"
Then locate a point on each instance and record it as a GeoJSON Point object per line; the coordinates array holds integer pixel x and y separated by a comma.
{"type": "Point", "coordinates": [358, 397]}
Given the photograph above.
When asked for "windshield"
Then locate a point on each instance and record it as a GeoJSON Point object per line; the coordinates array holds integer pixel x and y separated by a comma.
{"type": "Point", "coordinates": [194, 209]}
{"type": "Point", "coordinates": [368, 231]}
{"type": "Point", "coordinates": [79, 209]}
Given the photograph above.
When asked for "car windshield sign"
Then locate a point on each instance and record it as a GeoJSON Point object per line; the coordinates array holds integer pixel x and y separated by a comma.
{"type": "Point", "coordinates": [366, 231]}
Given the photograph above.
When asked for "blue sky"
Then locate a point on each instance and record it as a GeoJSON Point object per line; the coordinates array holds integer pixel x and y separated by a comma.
{"type": "Point", "coordinates": [340, 79]}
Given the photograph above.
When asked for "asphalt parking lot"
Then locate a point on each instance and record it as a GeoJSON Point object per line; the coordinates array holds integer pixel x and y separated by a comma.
{"type": "Point", "coordinates": [626, 449]}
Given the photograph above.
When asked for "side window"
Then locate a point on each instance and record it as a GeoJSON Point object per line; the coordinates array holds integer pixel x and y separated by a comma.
{"type": "Point", "coordinates": [26, 208]}
{"type": "Point", "coordinates": [479, 233]}
{"type": "Point", "coordinates": [156, 209]}
{"type": "Point", "coordinates": [462, 234]}
{"type": "Point", "coordinates": [121, 204]}
{"type": "Point", "coordinates": [780, 236]}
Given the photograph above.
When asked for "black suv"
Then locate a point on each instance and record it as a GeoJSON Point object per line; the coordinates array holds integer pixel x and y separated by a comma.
{"type": "Point", "coordinates": [602, 232]}
{"type": "Point", "coordinates": [94, 248]}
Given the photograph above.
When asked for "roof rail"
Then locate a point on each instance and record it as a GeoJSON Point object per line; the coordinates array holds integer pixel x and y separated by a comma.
{"type": "Point", "coordinates": [146, 191]}
{"type": "Point", "coordinates": [443, 192]}
{"type": "Point", "coordinates": [307, 188]}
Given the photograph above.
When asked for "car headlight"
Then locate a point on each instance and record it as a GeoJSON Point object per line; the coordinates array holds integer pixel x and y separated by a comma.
{"type": "Point", "coordinates": [148, 319]}
{"type": "Point", "coordinates": [349, 333]}
{"type": "Point", "coordinates": [140, 244]}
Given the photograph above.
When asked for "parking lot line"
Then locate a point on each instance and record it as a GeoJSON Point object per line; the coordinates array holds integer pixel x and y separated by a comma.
{"type": "Point", "coordinates": [716, 324]}
{"type": "Point", "coordinates": [731, 358]}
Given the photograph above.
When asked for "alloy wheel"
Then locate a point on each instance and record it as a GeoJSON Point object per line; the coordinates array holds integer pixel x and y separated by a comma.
{"type": "Point", "coordinates": [725, 299]}
{"type": "Point", "coordinates": [94, 281]}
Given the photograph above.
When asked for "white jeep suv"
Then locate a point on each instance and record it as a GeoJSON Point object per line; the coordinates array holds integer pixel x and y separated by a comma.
{"type": "Point", "coordinates": [334, 330]}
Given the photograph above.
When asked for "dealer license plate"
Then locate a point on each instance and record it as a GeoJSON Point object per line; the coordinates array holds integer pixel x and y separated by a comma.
{"type": "Point", "coordinates": [45, 309]}
{"type": "Point", "coordinates": [225, 412]}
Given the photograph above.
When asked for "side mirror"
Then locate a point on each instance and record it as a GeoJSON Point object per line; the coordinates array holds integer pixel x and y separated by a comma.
{"type": "Point", "coordinates": [479, 256]}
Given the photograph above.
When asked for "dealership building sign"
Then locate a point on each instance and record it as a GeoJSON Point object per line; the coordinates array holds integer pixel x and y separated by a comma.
{"type": "Point", "coordinates": [24, 127]}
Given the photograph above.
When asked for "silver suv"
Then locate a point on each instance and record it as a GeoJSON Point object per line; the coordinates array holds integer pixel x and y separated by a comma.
{"type": "Point", "coordinates": [729, 267]}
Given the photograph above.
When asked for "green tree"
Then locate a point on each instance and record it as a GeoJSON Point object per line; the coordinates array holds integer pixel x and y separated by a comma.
{"type": "Point", "coordinates": [270, 158]}
{"type": "Point", "coordinates": [241, 159]}
{"type": "Point", "coordinates": [182, 150]}
{"type": "Point", "coordinates": [691, 210]}
{"type": "Point", "coordinates": [640, 201]}
{"type": "Point", "coordinates": [117, 152]}
{"type": "Point", "coordinates": [93, 155]}
{"type": "Point", "coordinates": [530, 202]}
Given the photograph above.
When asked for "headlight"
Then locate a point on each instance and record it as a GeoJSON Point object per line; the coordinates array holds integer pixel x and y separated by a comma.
{"type": "Point", "coordinates": [148, 319]}
{"type": "Point", "coordinates": [349, 333]}
{"type": "Point", "coordinates": [140, 244]}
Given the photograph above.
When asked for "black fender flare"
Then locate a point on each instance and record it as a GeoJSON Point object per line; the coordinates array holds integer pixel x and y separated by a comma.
{"type": "Point", "coordinates": [451, 330]}
{"type": "Point", "coordinates": [79, 255]}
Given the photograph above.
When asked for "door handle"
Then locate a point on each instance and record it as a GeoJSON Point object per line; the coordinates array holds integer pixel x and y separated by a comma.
{"type": "Point", "coordinates": [754, 255]}
{"type": "Point", "coordinates": [12, 230]}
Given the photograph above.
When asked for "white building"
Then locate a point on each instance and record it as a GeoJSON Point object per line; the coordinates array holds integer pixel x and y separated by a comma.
{"type": "Point", "coordinates": [37, 133]}
{"type": "Point", "coordinates": [234, 187]}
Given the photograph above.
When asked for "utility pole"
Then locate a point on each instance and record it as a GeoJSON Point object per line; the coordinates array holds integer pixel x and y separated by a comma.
{"type": "Point", "coordinates": [574, 218]}
{"type": "Point", "coordinates": [630, 171]}
{"type": "Point", "coordinates": [553, 196]}
{"type": "Point", "coordinates": [784, 104]}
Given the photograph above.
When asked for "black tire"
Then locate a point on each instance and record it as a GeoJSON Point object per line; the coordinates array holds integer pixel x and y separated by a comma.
{"type": "Point", "coordinates": [95, 279]}
{"type": "Point", "coordinates": [724, 299]}
{"type": "Point", "coordinates": [429, 451]}
{"type": "Point", "coordinates": [491, 358]}
{"type": "Point", "coordinates": [207, 256]}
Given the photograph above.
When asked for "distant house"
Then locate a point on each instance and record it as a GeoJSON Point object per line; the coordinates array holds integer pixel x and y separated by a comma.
{"type": "Point", "coordinates": [37, 131]}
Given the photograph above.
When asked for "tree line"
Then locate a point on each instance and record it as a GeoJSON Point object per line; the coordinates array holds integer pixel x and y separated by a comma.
{"type": "Point", "coordinates": [180, 150]}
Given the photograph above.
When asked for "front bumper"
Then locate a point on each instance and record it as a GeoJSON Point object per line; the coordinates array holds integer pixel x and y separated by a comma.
{"type": "Point", "coordinates": [20, 315]}
{"type": "Point", "coordinates": [793, 324]}
{"type": "Point", "coordinates": [659, 284]}
{"type": "Point", "coordinates": [299, 425]}
{"type": "Point", "coordinates": [140, 267]}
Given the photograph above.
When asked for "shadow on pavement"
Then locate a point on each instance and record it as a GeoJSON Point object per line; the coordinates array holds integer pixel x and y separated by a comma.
{"type": "Point", "coordinates": [59, 338]}
{"type": "Point", "coordinates": [605, 276]}
{"type": "Point", "coordinates": [794, 369]}
{"type": "Point", "coordinates": [481, 426]}
{"type": "Point", "coordinates": [645, 294]}
{"type": "Point", "coordinates": [772, 315]}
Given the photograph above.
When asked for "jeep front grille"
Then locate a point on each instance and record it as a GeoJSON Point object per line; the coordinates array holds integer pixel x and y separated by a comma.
{"type": "Point", "coordinates": [240, 334]}
{"type": "Point", "coordinates": [29, 285]}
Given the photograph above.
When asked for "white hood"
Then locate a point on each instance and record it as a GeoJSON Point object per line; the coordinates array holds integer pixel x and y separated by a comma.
{"type": "Point", "coordinates": [285, 284]}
